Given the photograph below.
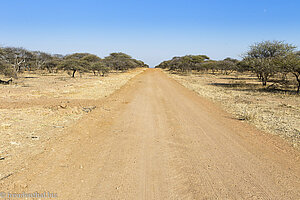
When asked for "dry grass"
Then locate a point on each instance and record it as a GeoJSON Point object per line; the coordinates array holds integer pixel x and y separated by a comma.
{"type": "Point", "coordinates": [62, 86]}
{"type": "Point", "coordinates": [36, 108]}
{"type": "Point", "coordinates": [274, 112]}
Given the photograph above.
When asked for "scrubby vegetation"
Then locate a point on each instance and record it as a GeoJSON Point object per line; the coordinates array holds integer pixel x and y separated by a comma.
{"type": "Point", "coordinates": [14, 61]}
{"type": "Point", "coordinates": [268, 60]}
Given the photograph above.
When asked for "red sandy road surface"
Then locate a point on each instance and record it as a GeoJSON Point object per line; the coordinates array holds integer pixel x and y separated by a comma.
{"type": "Point", "coordinates": [154, 139]}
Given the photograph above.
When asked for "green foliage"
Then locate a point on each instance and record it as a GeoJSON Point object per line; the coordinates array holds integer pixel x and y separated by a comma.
{"type": "Point", "coordinates": [17, 60]}
{"type": "Point", "coordinates": [90, 58]}
{"type": "Point", "coordinates": [164, 64]}
{"type": "Point", "coordinates": [122, 62]}
{"type": "Point", "coordinates": [263, 67]}
{"type": "Point", "coordinates": [269, 49]}
{"type": "Point", "coordinates": [100, 68]}
{"type": "Point", "coordinates": [261, 58]}
{"type": "Point", "coordinates": [39, 59]}
{"type": "Point", "coordinates": [78, 62]}
{"type": "Point", "coordinates": [76, 56]}
{"type": "Point", "coordinates": [50, 65]}
{"type": "Point", "coordinates": [290, 63]}
{"type": "Point", "coordinates": [242, 66]}
{"type": "Point", "coordinates": [20, 59]}
{"type": "Point", "coordinates": [2, 67]}
{"type": "Point", "coordinates": [184, 63]}
{"type": "Point", "coordinates": [6, 70]}
{"type": "Point", "coordinates": [208, 65]}
{"type": "Point", "coordinates": [74, 65]}
{"type": "Point", "coordinates": [141, 63]}
{"type": "Point", "coordinates": [226, 66]}
{"type": "Point", "coordinates": [266, 59]}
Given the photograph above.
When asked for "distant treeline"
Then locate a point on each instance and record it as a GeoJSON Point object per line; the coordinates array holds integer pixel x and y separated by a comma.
{"type": "Point", "coordinates": [265, 59]}
{"type": "Point", "coordinates": [17, 60]}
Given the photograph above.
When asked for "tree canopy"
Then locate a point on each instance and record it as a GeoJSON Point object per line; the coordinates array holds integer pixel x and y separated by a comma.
{"type": "Point", "coordinates": [261, 58]}
{"type": "Point", "coordinates": [15, 60]}
{"type": "Point", "coordinates": [184, 63]}
{"type": "Point", "coordinates": [122, 61]}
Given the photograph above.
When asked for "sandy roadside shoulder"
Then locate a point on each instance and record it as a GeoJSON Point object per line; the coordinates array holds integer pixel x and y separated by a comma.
{"type": "Point", "coordinates": [38, 108]}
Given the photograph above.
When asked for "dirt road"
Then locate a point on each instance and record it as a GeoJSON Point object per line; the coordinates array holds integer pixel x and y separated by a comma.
{"type": "Point", "coordinates": [154, 139]}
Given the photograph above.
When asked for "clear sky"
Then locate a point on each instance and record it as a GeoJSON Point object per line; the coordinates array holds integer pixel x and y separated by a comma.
{"type": "Point", "coordinates": [150, 30]}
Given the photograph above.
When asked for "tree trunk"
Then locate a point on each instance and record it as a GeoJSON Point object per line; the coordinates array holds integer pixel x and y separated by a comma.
{"type": "Point", "coordinates": [264, 78]}
{"type": "Point", "coordinates": [49, 69]}
{"type": "Point", "coordinates": [74, 71]}
{"type": "Point", "coordinates": [298, 80]}
{"type": "Point", "coordinates": [264, 81]}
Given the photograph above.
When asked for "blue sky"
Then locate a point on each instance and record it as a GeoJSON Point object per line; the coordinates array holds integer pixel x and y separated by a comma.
{"type": "Point", "coordinates": [152, 31]}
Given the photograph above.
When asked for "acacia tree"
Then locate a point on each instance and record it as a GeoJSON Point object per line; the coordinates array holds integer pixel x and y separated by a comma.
{"type": "Point", "coordinates": [290, 63]}
{"type": "Point", "coordinates": [140, 63]}
{"type": "Point", "coordinates": [76, 56]}
{"type": "Point", "coordinates": [50, 65]}
{"type": "Point", "coordinates": [18, 58]}
{"type": "Point", "coordinates": [117, 61]}
{"type": "Point", "coordinates": [76, 62]}
{"type": "Point", "coordinates": [209, 65]}
{"type": "Point", "coordinates": [261, 58]}
{"type": "Point", "coordinates": [227, 65]}
{"type": "Point", "coordinates": [73, 65]}
{"type": "Point", "coordinates": [41, 58]}
{"type": "Point", "coordinates": [121, 61]}
{"type": "Point", "coordinates": [164, 64]}
{"type": "Point", "coordinates": [184, 63]}
{"type": "Point", "coordinates": [100, 67]}
{"type": "Point", "coordinates": [91, 60]}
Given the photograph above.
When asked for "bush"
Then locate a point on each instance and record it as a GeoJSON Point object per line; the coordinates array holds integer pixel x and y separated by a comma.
{"type": "Point", "coordinates": [7, 71]}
